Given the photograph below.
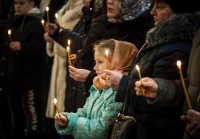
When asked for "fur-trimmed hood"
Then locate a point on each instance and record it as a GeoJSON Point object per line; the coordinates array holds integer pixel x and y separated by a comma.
{"type": "Point", "coordinates": [180, 27]}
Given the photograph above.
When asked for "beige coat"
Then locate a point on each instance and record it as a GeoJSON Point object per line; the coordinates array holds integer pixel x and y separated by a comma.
{"type": "Point", "coordinates": [68, 16]}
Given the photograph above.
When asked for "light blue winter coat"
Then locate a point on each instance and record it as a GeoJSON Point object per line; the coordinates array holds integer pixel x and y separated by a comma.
{"type": "Point", "coordinates": [89, 122]}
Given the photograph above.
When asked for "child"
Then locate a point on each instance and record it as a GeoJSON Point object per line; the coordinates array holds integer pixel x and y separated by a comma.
{"type": "Point", "coordinates": [89, 122]}
{"type": "Point", "coordinates": [21, 67]}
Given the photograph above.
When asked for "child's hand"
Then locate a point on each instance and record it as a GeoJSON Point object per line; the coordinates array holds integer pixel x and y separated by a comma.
{"type": "Point", "coordinates": [15, 46]}
{"type": "Point", "coordinates": [60, 120]}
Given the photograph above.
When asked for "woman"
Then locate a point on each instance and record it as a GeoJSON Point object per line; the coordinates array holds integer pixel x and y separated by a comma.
{"type": "Point", "coordinates": [168, 41]}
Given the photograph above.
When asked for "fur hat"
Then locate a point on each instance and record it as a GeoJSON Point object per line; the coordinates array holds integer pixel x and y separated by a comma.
{"type": "Point", "coordinates": [183, 6]}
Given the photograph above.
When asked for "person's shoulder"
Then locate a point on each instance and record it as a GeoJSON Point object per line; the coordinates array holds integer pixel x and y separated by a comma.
{"type": "Point", "coordinates": [102, 18]}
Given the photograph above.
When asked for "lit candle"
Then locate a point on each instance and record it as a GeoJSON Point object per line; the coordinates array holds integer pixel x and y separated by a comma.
{"type": "Point", "coordinates": [56, 15]}
{"type": "Point", "coordinates": [42, 21]}
{"type": "Point", "coordinates": [106, 52]}
{"type": "Point", "coordinates": [47, 10]}
{"type": "Point", "coordinates": [183, 84]}
{"type": "Point", "coordinates": [55, 102]}
{"type": "Point", "coordinates": [9, 34]}
{"type": "Point", "coordinates": [138, 69]}
{"type": "Point", "coordinates": [68, 52]}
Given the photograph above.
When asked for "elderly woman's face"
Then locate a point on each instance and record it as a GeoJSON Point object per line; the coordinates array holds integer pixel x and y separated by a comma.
{"type": "Point", "coordinates": [112, 8]}
{"type": "Point", "coordinates": [161, 11]}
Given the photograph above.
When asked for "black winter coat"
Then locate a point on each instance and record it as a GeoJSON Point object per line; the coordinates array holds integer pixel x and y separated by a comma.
{"type": "Point", "coordinates": [25, 64]}
{"type": "Point", "coordinates": [168, 42]}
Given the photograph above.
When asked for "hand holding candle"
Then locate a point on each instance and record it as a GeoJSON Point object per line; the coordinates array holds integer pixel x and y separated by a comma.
{"type": "Point", "coordinates": [138, 69]}
{"type": "Point", "coordinates": [68, 52]}
{"type": "Point", "coordinates": [183, 84]}
{"type": "Point", "coordinates": [55, 102]}
{"type": "Point", "coordinates": [106, 52]}
{"type": "Point", "coordinates": [47, 10]}
{"type": "Point", "coordinates": [9, 34]}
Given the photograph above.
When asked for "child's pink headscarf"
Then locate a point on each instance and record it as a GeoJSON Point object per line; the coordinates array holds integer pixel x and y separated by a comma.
{"type": "Point", "coordinates": [123, 55]}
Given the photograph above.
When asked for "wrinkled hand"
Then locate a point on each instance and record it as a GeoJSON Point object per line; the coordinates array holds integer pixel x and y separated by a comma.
{"type": "Point", "coordinates": [51, 28]}
{"type": "Point", "coordinates": [78, 74]}
{"type": "Point", "coordinates": [60, 120]}
{"type": "Point", "coordinates": [15, 46]}
{"type": "Point", "coordinates": [149, 85]}
{"type": "Point", "coordinates": [73, 59]}
{"type": "Point", "coordinates": [113, 78]}
{"type": "Point", "coordinates": [48, 38]}
{"type": "Point", "coordinates": [193, 123]}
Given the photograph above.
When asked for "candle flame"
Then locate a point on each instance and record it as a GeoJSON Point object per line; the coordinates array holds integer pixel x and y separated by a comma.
{"type": "Point", "coordinates": [42, 21]}
{"type": "Point", "coordinates": [55, 100]}
{"type": "Point", "coordinates": [47, 9]}
{"type": "Point", "coordinates": [56, 15]}
{"type": "Point", "coordinates": [178, 63]}
{"type": "Point", "coordinates": [68, 42]}
{"type": "Point", "coordinates": [106, 52]}
{"type": "Point", "coordinates": [9, 31]}
{"type": "Point", "coordinates": [137, 67]}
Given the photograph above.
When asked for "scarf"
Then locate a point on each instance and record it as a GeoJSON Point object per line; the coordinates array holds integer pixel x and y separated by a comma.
{"type": "Point", "coordinates": [121, 61]}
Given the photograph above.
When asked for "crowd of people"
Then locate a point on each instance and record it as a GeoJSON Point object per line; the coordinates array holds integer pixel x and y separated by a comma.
{"type": "Point", "coordinates": [64, 59]}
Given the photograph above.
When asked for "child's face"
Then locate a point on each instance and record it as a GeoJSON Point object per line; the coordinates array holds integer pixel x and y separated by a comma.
{"type": "Point", "coordinates": [100, 59]}
{"type": "Point", "coordinates": [22, 6]}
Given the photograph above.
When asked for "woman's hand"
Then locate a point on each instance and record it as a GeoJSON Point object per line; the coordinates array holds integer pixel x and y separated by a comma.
{"type": "Point", "coordinates": [149, 85]}
{"type": "Point", "coordinates": [78, 74]}
{"type": "Point", "coordinates": [47, 38]}
{"type": "Point", "coordinates": [73, 59]}
{"type": "Point", "coordinates": [113, 78]}
{"type": "Point", "coordinates": [51, 28]}
{"type": "Point", "coordinates": [193, 123]}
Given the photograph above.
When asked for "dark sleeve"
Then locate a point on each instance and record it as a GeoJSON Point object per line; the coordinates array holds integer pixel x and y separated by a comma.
{"type": "Point", "coordinates": [121, 93]}
{"type": "Point", "coordinates": [76, 39]}
{"type": "Point", "coordinates": [97, 32]}
{"type": "Point", "coordinates": [6, 15]}
{"type": "Point", "coordinates": [89, 80]}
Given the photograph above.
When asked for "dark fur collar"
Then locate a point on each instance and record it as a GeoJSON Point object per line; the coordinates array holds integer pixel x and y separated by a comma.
{"type": "Point", "coordinates": [179, 28]}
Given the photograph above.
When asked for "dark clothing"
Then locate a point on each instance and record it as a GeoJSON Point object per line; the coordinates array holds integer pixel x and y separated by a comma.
{"type": "Point", "coordinates": [21, 70]}
{"type": "Point", "coordinates": [6, 15]}
{"type": "Point", "coordinates": [166, 43]}
{"type": "Point", "coordinates": [172, 91]}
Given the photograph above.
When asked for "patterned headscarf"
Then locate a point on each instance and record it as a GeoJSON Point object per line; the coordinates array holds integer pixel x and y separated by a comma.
{"type": "Point", "coordinates": [123, 55]}
{"type": "Point", "coordinates": [131, 9]}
